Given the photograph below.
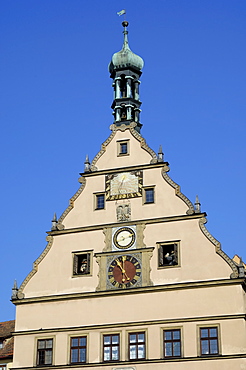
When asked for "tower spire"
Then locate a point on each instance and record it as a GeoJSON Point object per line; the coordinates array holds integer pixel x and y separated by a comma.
{"type": "Point", "coordinates": [125, 70]}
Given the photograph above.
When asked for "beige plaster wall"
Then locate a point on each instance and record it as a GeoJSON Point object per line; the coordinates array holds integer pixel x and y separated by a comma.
{"type": "Point", "coordinates": [207, 301]}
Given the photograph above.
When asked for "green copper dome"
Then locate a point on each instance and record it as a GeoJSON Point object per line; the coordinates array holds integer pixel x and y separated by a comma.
{"type": "Point", "coordinates": [125, 57]}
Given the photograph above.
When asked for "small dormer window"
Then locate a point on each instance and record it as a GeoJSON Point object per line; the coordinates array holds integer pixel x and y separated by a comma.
{"type": "Point", "coordinates": [123, 148]}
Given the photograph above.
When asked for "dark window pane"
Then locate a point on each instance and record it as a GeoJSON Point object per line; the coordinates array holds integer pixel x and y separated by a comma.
{"type": "Point", "coordinates": [205, 347]}
{"type": "Point", "coordinates": [213, 332]}
{"type": "Point", "coordinates": [75, 342]}
{"type": "Point", "coordinates": [176, 334]}
{"type": "Point", "coordinates": [107, 340]}
{"type": "Point", "coordinates": [82, 341]}
{"type": "Point", "coordinates": [149, 195]}
{"type": "Point", "coordinates": [141, 337]}
{"type": "Point", "coordinates": [74, 355]}
{"type": "Point", "coordinates": [204, 333]}
{"type": "Point", "coordinates": [123, 148]}
{"type": "Point", "coordinates": [168, 349]}
{"type": "Point", "coordinates": [82, 355]}
{"type": "Point", "coordinates": [41, 344]}
{"type": "Point", "coordinates": [176, 349]}
{"type": "Point", "coordinates": [100, 201]}
{"type": "Point", "coordinates": [115, 339]}
{"type": "Point", "coordinates": [213, 346]}
{"type": "Point", "coordinates": [168, 335]}
{"type": "Point", "coordinates": [133, 338]}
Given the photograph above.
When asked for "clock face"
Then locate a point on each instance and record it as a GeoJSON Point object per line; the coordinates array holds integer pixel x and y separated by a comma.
{"type": "Point", "coordinates": [124, 272]}
{"type": "Point", "coordinates": [124, 185]}
{"type": "Point", "coordinates": [124, 238]}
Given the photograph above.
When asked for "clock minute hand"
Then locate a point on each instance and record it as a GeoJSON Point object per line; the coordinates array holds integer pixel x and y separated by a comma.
{"type": "Point", "coordinates": [122, 269]}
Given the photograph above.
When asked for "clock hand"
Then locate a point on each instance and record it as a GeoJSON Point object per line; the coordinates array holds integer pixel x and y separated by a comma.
{"type": "Point", "coordinates": [124, 237]}
{"type": "Point", "coordinates": [122, 269]}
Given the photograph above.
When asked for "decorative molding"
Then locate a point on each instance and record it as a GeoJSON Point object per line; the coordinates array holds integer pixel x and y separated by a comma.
{"type": "Point", "coordinates": [178, 192]}
{"type": "Point", "coordinates": [82, 181]}
{"type": "Point", "coordinates": [136, 222]}
{"type": "Point", "coordinates": [143, 144]}
{"type": "Point", "coordinates": [140, 290]}
{"type": "Point", "coordinates": [102, 151]}
{"type": "Point", "coordinates": [20, 293]}
{"type": "Point", "coordinates": [218, 249]}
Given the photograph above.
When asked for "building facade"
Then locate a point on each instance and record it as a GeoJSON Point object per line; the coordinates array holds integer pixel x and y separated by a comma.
{"type": "Point", "coordinates": [6, 344]}
{"type": "Point", "coordinates": [130, 277]}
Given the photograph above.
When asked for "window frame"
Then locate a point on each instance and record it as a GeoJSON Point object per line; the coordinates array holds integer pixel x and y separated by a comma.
{"type": "Point", "coordinates": [209, 338]}
{"type": "Point", "coordinates": [151, 187]}
{"type": "Point", "coordinates": [119, 147]}
{"type": "Point", "coordinates": [111, 345]}
{"type": "Point", "coordinates": [164, 330]}
{"type": "Point", "coordinates": [76, 261]}
{"type": "Point", "coordinates": [137, 344]}
{"type": "Point", "coordinates": [78, 348]}
{"type": "Point", "coordinates": [39, 350]}
{"type": "Point", "coordinates": [96, 197]}
{"type": "Point", "coordinates": [160, 251]}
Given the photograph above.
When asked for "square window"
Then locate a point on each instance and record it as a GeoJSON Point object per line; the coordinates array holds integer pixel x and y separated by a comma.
{"type": "Point", "coordinates": [82, 263]}
{"type": "Point", "coordinates": [137, 347]}
{"type": "Point", "coordinates": [168, 254]}
{"type": "Point", "coordinates": [209, 344]}
{"type": "Point", "coordinates": [172, 343]}
{"type": "Point", "coordinates": [111, 347]}
{"type": "Point", "coordinates": [78, 350]}
{"type": "Point", "coordinates": [99, 201]}
{"type": "Point", "coordinates": [123, 147]}
{"type": "Point", "coordinates": [149, 195]}
{"type": "Point", "coordinates": [44, 351]}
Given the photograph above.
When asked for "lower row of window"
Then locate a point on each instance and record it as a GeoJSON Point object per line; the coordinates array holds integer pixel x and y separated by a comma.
{"type": "Point", "coordinates": [136, 346]}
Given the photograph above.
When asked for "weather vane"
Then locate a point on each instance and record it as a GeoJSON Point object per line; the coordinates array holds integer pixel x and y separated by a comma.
{"type": "Point", "coordinates": [123, 11]}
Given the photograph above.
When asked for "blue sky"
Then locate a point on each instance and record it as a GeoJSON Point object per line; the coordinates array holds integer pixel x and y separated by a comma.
{"type": "Point", "coordinates": [55, 100]}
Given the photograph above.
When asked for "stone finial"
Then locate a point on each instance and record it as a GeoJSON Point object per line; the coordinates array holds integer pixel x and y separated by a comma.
{"type": "Point", "coordinates": [160, 154]}
{"type": "Point", "coordinates": [54, 223]}
{"type": "Point", "coordinates": [87, 167]}
{"type": "Point", "coordinates": [14, 291]}
{"type": "Point", "coordinates": [197, 205]}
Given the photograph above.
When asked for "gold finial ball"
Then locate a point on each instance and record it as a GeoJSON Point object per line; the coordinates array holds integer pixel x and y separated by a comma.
{"type": "Point", "coordinates": [125, 24]}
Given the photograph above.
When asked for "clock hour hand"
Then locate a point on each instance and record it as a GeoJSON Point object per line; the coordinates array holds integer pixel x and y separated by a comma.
{"type": "Point", "coordinates": [122, 269]}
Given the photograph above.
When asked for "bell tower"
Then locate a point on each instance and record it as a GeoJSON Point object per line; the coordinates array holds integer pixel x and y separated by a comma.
{"type": "Point", "coordinates": [125, 70]}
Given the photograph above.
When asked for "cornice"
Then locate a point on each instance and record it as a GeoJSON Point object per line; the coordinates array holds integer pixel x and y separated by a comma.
{"type": "Point", "coordinates": [139, 290]}
{"type": "Point", "coordinates": [216, 243]}
{"type": "Point", "coordinates": [178, 192]}
{"type": "Point", "coordinates": [72, 200]}
{"type": "Point", "coordinates": [20, 293]}
{"type": "Point", "coordinates": [135, 222]}
{"type": "Point", "coordinates": [129, 324]}
{"type": "Point", "coordinates": [125, 169]}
